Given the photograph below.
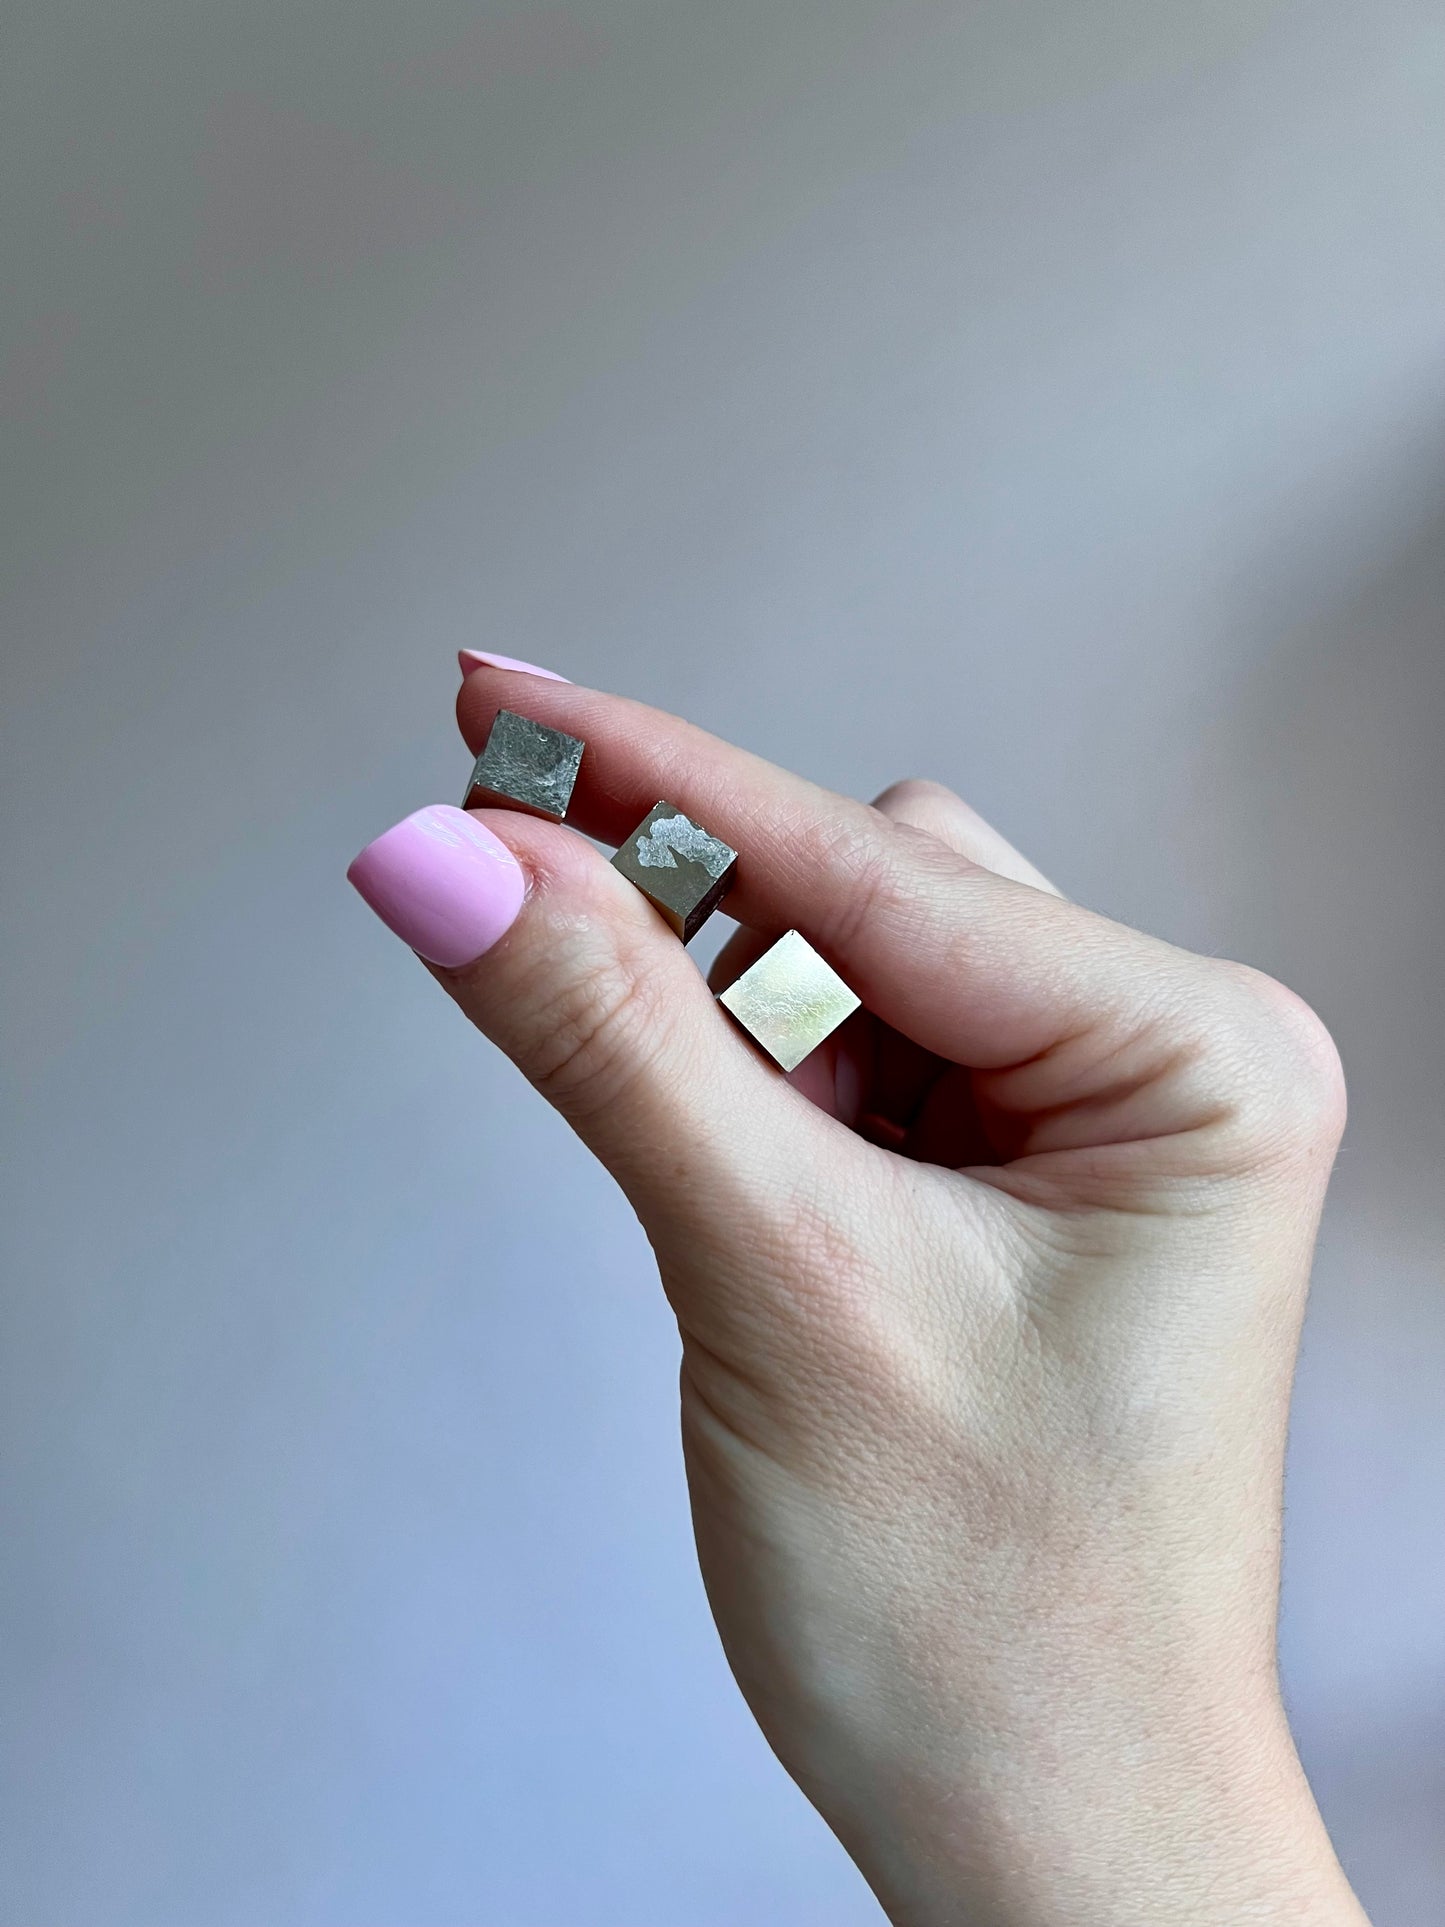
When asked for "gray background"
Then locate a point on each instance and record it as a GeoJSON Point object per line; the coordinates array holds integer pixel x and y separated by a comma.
{"type": "Point", "coordinates": [1045, 395]}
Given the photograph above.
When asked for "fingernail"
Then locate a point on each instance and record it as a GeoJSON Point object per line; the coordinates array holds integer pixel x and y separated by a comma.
{"type": "Point", "coordinates": [471, 659]}
{"type": "Point", "coordinates": [443, 883]}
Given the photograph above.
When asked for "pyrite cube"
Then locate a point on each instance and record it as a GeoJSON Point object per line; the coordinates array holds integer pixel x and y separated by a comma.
{"type": "Point", "coordinates": [526, 765]}
{"type": "Point", "coordinates": [677, 866]}
{"type": "Point", "coordinates": [790, 1000]}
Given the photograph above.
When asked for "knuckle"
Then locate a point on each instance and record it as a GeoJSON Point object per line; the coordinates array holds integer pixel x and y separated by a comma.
{"type": "Point", "coordinates": [1293, 1081]}
{"type": "Point", "coordinates": [885, 875]}
{"type": "Point", "coordinates": [860, 854]}
{"type": "Point", "coordinates": [915, 790]}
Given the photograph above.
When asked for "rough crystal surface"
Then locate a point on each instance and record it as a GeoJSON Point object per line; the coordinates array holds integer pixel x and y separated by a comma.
{"type": "Point", "coordinates": [526, 765]}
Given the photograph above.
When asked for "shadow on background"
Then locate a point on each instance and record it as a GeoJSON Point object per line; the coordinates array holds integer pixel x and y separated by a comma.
{"type": "Point", "coordinates": [1332, 788]}
{"type": "Point", "coordinates": [1328, 788]}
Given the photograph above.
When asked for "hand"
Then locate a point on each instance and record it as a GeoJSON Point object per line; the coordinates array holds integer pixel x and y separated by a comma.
{"type": "Point", "coordinates": [988, 1316]}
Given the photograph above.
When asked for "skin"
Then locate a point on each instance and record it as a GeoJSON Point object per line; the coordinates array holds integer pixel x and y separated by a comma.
{"type": "Point", "coordinates": [988, 1318]}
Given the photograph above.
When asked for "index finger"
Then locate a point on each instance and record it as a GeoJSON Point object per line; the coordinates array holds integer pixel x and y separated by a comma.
{"type": "Point", "coordinates": [976, 967]}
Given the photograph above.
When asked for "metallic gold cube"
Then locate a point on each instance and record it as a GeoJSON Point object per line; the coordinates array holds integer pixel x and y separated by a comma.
{"type": "Point", "coordinates": [677, 866]}
{"type": "Point", "coordinates": [526, 766]}
{"type": "Point", "coordinates": [789, 1000]}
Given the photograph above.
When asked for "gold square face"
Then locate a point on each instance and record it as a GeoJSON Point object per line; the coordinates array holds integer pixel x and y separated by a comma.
{"type": "Point", "coordinates": [790, 1000]}
{"type": "Point", "coordinates": [681, 869]}
{"type": "Point", "coordinates": [526, 766]}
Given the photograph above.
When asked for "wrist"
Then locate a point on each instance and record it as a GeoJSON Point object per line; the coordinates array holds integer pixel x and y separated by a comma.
{"type": "Point", "coordinates": [1227, 1835]}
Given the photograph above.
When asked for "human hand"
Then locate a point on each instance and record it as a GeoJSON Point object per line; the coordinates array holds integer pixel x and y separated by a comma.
{"type": "Point", "coordinates": [988, 1315]}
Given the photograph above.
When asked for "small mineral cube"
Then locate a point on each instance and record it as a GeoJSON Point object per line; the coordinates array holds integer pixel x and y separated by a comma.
{"type": "Point", "coordinates": [525, 766]}
{"type": "Point", "coordinates": [789, 1000]}
{"type": "Point", "coordinates": [677, 866]}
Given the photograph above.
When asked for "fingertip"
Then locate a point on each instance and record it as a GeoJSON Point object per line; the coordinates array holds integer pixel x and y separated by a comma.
{"type": "Point", "coordinates": [444, 883]}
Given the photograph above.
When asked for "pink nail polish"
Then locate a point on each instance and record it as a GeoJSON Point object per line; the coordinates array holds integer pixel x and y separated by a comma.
{"type": "Point", "coordinates": [471, 659]}
{"type": "Point", "coordinates": [443, 883]}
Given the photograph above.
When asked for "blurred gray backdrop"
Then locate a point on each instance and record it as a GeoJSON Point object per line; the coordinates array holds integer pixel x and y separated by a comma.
{"type": "Point", "coordinates": [1043, 395]}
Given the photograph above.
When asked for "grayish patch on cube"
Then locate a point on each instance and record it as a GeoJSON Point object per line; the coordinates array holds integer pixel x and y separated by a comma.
{"type": "Point", "coordinates": [789, 1000]}
{"type": "Point", "coordinates": [678, 866]}
{"type": "Point", "coordinates": [525, 766]}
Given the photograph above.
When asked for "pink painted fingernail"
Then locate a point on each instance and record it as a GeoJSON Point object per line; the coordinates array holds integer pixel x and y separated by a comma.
{"type": "Point", "coordinates": [471, 659]}
{"type": "Point", "coordinates": [443, 883]}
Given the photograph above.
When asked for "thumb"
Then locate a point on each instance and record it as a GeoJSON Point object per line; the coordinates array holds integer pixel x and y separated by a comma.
{"type": "Point", "coordinates": [563, 964]}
